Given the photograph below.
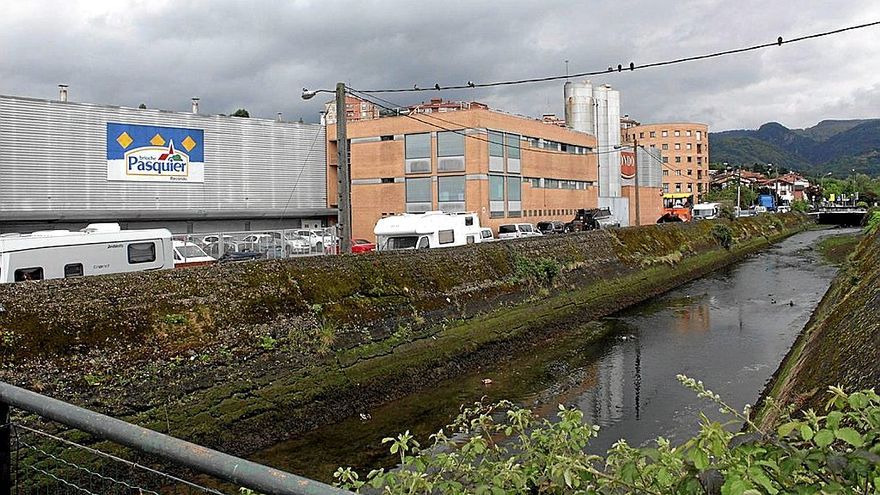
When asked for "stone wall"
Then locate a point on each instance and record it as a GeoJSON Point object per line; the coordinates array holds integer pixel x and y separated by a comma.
{"type": "Point", "coordinates": [841, 343]}
{"type": "Point", "coordinates": [240, 356]}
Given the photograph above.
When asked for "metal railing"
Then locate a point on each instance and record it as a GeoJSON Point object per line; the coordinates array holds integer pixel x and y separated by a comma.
{"type": "Point", "coordinates": [261, 244]}
{"type": "Point", "coordinates": [33, 460]}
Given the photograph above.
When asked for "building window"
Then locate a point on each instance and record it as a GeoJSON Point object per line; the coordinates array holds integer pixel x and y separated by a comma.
{"type": "Point", "coordinates": [699, 148]}
{"type": "Point", "coordinates": [653, 134]}
{"type": "Point", "coordinates": [514, 196]}
{"type": "Point", "coordinates": [699, 160]}
{"type": "Point", "coordinates": [450, 143]}
{"type": "Point", "coordinates": [688, 133]}
{"type": "Point", "coordinates": [677, 133]}
{"type": "Point", "coordinates": [496, 151]}
{"type": "Point", "coordinates": [690, 187]}
{"type": "Point", "coordinates": [688, 146]}
{"type": "Point", "coordinates": [678, 146]}
{"type": "Point", "coordinates": [664, 146]}
{"type": "Point", "coordinates": [666, 187]}
{"type": "Point", "coordinates": [496, 196]}
{"type": "Point", "coordinates": [418, 153]}
{"type": "Point", "coordinates": [387, 180]}
{"type": "Point", "coordinates": [699, 135]}
{"type": "Point", "coordinates": [690, 159]}
{"type": "Point", "coordinates": [678, 172]}
{"type": "Point", "coordinates": [388, 137]}
{"type": "Point", "coordinates": [513, 152]}
{"type": "Point", "coordinates": [664, 133]}
{"type": "Point", "coordinates": [699, 174]}
{"type": "Point", "coordinates": [141, 252]}
{"type": "Point", "coordinates": [665, 173]}
{"type": "Point", "coordinates": [690, 172]}
{"type": "Point", "coordinates": [678, 187]}
{"type": "Point", "coordinates": [418, 195]}
{"type": "Point", "coordinates": [678, 159]}
{"type": "Point", "coordinates": [665, 159]}
{"type": "Point", "coordinates": [641, 134]}
{"type": "Point", "coordinates": [450, 193]}
{"type": "Point", "coordinates": [450, 152]}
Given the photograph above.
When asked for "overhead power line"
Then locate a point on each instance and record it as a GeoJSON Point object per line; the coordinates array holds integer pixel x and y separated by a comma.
{"type": "Point", "coordinates": [620, 67]}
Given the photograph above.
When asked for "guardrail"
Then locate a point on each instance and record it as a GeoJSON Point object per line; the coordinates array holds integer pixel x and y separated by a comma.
{"type": "Point", "coordinates": [234, 470]}
{"type": "Point", "coordinates": [271, 244]}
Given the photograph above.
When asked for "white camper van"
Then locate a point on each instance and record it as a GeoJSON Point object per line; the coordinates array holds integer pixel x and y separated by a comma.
{"type": "Point", "coordinates": [433, 229]}
{"type": "Point", "coordinates": [95, 250]}
{"type": "Point", "coordinates": [706, 211]}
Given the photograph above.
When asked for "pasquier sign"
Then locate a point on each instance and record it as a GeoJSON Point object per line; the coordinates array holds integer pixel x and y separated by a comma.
{"type": "Point", "coordinates": [154, 154]}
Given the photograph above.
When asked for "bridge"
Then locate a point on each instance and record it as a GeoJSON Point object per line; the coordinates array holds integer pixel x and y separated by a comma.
{"type": "Point", "coordinates": [847, 216]}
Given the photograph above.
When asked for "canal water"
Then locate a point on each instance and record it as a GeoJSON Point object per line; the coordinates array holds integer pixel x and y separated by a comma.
{"type": "Point", "coordinates": [730, 329]}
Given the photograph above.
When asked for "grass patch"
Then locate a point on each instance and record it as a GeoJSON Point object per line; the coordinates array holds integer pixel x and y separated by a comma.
{"type": "Point", "coordinates": [836, 249]}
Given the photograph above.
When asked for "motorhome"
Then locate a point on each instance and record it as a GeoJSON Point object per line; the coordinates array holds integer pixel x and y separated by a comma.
{"type": "Point", "coordinates": [706, 211]}
{"type": "Point", "coordinates": [433, 229]}
{"type": "Point", "coordinates": [95, 250]}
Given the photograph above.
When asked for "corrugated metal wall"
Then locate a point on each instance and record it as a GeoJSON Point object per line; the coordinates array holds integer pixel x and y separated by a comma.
{"type": "Point", "coordinates": [53, 166]}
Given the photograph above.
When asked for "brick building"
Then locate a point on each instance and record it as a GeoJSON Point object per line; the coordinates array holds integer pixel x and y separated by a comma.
{"type": "Point", "coordinates": [505, 168]}
{"type": "Point", "coordinates": [685, 154]}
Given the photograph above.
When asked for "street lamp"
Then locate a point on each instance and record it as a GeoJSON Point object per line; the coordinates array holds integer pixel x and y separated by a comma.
{"type": "Point", "coordinates": [343, 218]}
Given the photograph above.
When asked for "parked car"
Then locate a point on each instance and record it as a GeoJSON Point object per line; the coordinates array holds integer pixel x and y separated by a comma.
{"type": "Point", "coordinates": [551, 227]}
{"type": "Point", "coordinates": [272, 245]}
{"type": "Point", "coordinates": [318, 239]}
{"type": "Point", "coordinates": [362, 246]}
{"type": "Point", "coordinates": [188, 254]}
{"type": "Point", "coordinates": [486, 235]}
{"type": "Point", "coordinates": [517, 230]}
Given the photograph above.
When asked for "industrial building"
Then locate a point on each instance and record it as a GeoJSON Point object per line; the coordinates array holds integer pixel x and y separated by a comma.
{"type": "Point", "coordinates": [65, 164]}
{"type": "Point", "coordinates": [463, 156]}
{"type": "Point", "coordinates": [505, 168]}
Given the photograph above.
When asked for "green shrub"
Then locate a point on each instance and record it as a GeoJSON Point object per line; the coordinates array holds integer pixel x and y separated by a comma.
{"type": "Point", "coordinates": [727, 212]}
{"type": "Point", "coordinates": [503, 449]}
{"type": "Point", "coordinates": [540, 270]}
{"type": "Point", "coordinates": [723, 235]}
{"type": "Point", "coordinates": [873, 221]}
{"type": "Point", "coordinates": [800, 205]}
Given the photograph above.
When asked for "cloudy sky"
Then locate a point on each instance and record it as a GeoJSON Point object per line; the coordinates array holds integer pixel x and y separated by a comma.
{"type": "Point", "coordinates": [259, 54]}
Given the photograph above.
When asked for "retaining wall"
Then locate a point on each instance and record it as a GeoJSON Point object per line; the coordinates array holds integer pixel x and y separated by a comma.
{"type": "Point", "coordinates": [240, 356]}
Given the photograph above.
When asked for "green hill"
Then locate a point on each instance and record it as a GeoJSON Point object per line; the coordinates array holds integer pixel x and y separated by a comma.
{"type": "Point", "coordinates": [836, 146]}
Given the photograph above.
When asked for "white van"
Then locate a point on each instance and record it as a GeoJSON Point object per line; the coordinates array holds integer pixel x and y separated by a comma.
{"type": "Point", "coordinates": [706, 211]}
{"type": "Point", "coordinates": [433, 229]}
{"type": "Point", "coordinates": [517, 230]}
{"type": "Point", "coordinates": [95, 250]}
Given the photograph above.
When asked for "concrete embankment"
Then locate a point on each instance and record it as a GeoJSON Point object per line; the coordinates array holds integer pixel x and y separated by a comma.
{"type": "Point", "coordinates": [239, 357]}
{"type": "Point", "coordinates": [840, 345]}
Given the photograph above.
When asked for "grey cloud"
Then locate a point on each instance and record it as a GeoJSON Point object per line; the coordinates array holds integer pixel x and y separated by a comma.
{"type": "Point", "coordinates": [259, 55]}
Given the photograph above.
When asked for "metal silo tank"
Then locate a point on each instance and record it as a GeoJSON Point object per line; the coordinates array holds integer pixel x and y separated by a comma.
{"type": "Point", "coordinates": [579, 106]}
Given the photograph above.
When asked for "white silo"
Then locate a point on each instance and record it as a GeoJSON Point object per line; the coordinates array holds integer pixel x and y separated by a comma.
{"type": "Point", "coordinates": [579, 114]}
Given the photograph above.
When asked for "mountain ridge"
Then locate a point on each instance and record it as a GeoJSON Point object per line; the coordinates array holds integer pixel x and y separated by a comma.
{"type": "Point", "coordinates": [832, 145]}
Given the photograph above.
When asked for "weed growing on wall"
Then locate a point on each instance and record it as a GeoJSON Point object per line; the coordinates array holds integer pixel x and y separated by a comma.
{"type": "Point", "coordinates": [723, 235]}
{"type": "Point", "coordinates": [538, 270]}
{"type": "Point", "coordinates": [504, 449]}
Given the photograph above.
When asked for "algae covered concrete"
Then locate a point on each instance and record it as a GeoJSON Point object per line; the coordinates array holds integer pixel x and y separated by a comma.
{"type": "Point", "coordinates": [241, 356]}
{"type": "Point", "coordinates": [840, 345]}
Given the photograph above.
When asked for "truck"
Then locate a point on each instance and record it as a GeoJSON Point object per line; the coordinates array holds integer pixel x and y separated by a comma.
{"type": "Point", "coordinates": [590, 219]}
{"type": "Point", "coordinates": [95, 250]}
{"type": "Point", "coordinates": [767, 201]}
{"type": "Point", "coordinates": [432, 229]}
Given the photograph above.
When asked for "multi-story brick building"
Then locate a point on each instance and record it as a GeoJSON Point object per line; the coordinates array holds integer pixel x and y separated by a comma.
{"type": "Point", "coordinates": [685, 153]}
{"type": "Point", "coordinates": [503, 167]}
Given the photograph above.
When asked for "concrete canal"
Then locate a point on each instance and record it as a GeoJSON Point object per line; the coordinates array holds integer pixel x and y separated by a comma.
{"type": "Point", "coordinates": [730, 329]}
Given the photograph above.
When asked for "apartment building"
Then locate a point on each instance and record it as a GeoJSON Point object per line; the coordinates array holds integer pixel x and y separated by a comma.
{"type": "Point", "coordinates": [684, 148]}
{"type": "Point", "coordinates": [506, 168]}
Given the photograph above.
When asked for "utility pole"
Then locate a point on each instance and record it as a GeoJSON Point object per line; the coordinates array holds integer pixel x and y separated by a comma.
{"type": "Point", "coordinates": [343, 218]}
{"type": "Point", "coordinates": [738, 185]}
{"type": "Point", "coordinates": [636, 179]}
